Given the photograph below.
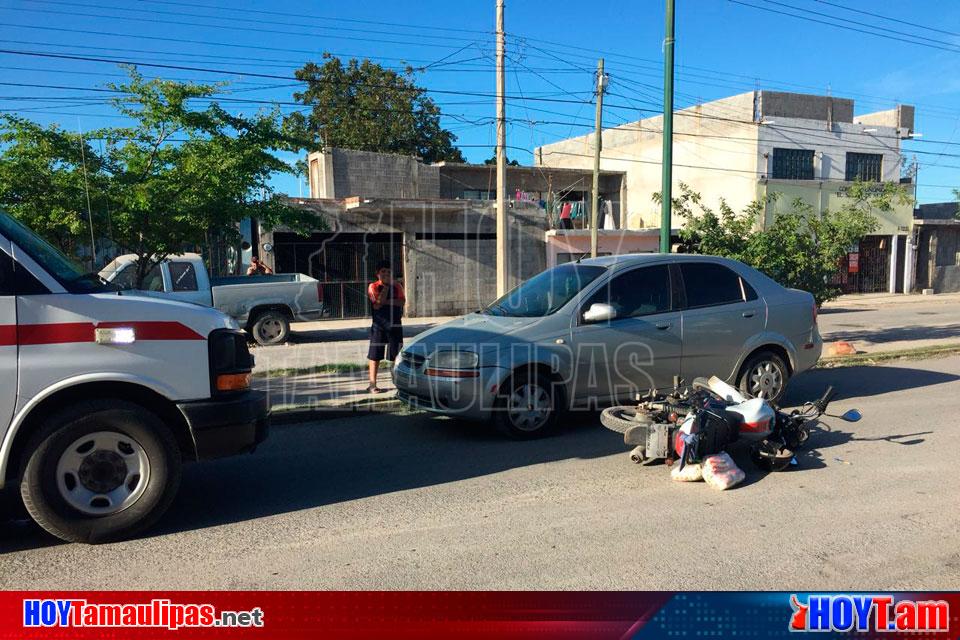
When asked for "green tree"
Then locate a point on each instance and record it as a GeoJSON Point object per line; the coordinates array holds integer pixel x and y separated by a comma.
{"type": "Point", "coordinates": [46, 175]}
{"type": "Point", "coordinates": [176, 177]}
{"type": "Point", "coordinates": [799, 249]}
{"type": "Point", "coordinates": [363, 106]}
{"type": "Point", "coordinates": [493, 160]}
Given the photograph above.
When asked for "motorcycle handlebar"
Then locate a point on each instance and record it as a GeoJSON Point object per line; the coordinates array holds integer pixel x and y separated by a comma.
{"type": "Point", "coordinates": [828, 395]}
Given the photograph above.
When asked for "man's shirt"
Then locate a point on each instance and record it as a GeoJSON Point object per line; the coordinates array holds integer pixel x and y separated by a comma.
{"type": "Point", "coordinates": [388, 315]}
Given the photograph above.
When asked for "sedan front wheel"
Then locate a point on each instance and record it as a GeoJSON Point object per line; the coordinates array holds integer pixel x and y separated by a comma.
{"type": "Point", "coordinates": [526, 407]}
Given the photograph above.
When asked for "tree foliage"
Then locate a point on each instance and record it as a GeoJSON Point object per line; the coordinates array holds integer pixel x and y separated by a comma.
{"type": "Point", "coordinates": [799, 249]}
{"type": "Point", "coordinates": [493, 160]}
{"type": "Point", "coordinates": [363, 106]}
{"type": "Point", "coordinates": [175, 177]}
{"type": "Point", "coordinates": [43, 181]}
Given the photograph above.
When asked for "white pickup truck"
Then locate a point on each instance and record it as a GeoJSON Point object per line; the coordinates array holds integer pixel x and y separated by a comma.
{"type": "Point", "coordinates": [103, 394]}
{"type": "Point", "coordinates": [263, 305]}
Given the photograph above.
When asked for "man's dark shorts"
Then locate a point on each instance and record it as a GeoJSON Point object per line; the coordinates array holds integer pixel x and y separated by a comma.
{"type": "Point", "coordinates": [385, 343]}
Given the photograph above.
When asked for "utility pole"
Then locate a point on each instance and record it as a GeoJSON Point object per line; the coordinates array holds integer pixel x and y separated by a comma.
{"type": "Point", "coordinates": [503, 229]}
{"type": "Point", "coordinates": [667, 180]}
{"type": "Point", "coordinates": [598, 143]}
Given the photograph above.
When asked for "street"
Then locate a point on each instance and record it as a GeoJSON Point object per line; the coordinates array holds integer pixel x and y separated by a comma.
{"type": "Point", "coordinates": [409, 501]}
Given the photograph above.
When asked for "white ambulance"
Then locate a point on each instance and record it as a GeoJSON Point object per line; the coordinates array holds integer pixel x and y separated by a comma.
{"type": "Point", "coordinates": [104, 394]}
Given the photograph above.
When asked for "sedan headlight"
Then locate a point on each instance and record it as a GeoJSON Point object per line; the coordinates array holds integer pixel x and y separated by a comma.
{"type": "Point", "coordinates": [454, 360]}
{"type": "Point", "coordinates": [453, 364]}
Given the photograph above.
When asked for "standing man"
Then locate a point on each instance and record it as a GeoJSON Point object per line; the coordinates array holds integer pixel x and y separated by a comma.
{"type": "Point", "coordinates": [257, 268]}
{"type": "Point", "coordinates": [386, 333]}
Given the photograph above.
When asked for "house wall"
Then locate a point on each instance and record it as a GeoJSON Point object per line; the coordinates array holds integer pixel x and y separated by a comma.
{"type": "Point", "coordinates": [831, 196]}
{"type": "Point", "coordinates": [448, 247]}
{"type": "Point", "coordinates": [342, 173]}
{"type": "Point", "coordinates": [938, 257]}
{"type": "Point", "coordinates": [714, 152]}
{"type": "Point", "coordinates": [722, 151]}
{"type": "Point", "coordinates": [614, 243]}
{"type": "Point", "coordinates": [830, 143]}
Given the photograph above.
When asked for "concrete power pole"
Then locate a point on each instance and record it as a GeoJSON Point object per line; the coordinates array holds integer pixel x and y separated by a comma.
{"type": "Point", "coordinates": [598, 143]}
{"type": "Point", "coordinates": [503, 229]}
{"type": "Point", "coordinates": [666, 188]}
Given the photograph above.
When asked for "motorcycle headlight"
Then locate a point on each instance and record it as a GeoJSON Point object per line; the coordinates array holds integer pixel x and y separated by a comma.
{"type": "Point", "coordinates": [454, 360]}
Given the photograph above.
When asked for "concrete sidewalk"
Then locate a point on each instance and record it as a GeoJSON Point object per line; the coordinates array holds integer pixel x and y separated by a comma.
{"type": "Point", "coordinates": [323, 368]}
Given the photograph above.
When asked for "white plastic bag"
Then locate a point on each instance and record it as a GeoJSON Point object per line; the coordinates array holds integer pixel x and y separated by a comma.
{"type": "Point", "coordinates": [720, 471]}
{"type": "Point", "coordinates": [690, 473]}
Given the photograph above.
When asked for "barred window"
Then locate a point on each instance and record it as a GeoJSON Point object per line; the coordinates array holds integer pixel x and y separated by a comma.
{"type": "Point", "coordinates": [864, 166]}
{"type": "Point", "coordinates": [792, 164]}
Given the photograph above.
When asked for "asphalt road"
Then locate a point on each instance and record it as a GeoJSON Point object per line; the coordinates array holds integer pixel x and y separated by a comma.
{"type": "Point", "coordinates": [413, 502]}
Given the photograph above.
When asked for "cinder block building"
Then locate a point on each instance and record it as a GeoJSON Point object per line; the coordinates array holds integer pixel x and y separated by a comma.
{"type": "Point", "coordinates": [753, 145]}
{"type": "Point", "coordinates": [434, 222]}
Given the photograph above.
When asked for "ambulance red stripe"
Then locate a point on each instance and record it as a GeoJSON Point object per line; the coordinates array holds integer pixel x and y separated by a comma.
{"type": "Point", "coordinates": [80, 332]}
{"type": "Point", "coordinates": [8, 335]}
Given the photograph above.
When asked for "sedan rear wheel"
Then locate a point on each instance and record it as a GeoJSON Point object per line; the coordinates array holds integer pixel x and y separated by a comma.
{"type": "Point", "coordinates": [765, 376]}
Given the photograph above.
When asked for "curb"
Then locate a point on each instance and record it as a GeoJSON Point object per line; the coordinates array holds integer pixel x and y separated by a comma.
{"type": "Point", "coordinates": [885, 356]}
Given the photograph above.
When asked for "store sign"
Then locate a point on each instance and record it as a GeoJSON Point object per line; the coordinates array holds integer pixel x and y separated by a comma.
{"type": "Point", "coordinates": [853, 263]}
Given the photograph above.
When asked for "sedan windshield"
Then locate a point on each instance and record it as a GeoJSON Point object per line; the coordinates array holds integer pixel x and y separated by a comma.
{"type": "Point", "coordinates": [63, 269]}
{"type": "Point", "coordinates": [545, 293]}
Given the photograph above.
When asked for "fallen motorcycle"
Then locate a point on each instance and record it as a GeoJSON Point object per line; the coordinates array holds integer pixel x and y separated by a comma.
{"type": "Point", "coordinates": [692, 423]}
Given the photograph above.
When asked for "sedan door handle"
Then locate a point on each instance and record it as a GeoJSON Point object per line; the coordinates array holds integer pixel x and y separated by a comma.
{"type": "Point", "coordinates": [748, 314]}
{"type": "Point", "coordinates": [663, 326]}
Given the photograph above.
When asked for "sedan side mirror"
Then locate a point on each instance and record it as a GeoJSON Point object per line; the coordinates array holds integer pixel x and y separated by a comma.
{"type": "Point", "coordinates": [599, 312]}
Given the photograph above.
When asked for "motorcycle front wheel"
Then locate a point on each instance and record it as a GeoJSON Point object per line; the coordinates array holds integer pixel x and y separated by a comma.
{"type": "Point", "coordinates": [622, 419]}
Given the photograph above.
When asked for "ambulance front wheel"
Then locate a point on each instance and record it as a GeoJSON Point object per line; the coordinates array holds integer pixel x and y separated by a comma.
{"type": "Point", "coordinates": [101, 470]}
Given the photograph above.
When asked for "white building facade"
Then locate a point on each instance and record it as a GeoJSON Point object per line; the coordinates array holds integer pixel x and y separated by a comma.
{"type": "Point", "coordinates": [756, 144]}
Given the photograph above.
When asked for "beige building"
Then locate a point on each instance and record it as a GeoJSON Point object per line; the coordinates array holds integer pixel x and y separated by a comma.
{"type": "Point", "coordinates": [758, 143]}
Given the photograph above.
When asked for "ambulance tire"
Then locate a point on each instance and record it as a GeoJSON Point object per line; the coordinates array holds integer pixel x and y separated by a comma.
{"type": "Point", "coordinates": [46, 498]}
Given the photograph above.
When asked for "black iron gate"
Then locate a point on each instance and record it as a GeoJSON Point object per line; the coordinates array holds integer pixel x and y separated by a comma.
{"type": "Point", "coordinates": [345, 263]}
{"type": "Point", "coordinates": [867, 270]}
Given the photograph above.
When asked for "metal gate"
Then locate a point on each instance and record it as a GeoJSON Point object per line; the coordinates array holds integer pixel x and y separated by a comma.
{"type": "Point", "coordinates": [345, 263]}
{"type": "Point", "coordinates": [870, 271]}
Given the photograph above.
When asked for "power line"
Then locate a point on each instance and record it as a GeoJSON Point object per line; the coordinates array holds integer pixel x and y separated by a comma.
{"type": "Point", "coordinates": [311, 52]}
{"type": "Point", "coordinates": [262, 75]}
{"type": "Point", "coordinates": [301, 16]}
{"type": "Point", "coordinates": [229, 17]}
{"type": "Point", "coordinates": [883, 17]}
{"type": "Point", "coordinates": [923, 42]}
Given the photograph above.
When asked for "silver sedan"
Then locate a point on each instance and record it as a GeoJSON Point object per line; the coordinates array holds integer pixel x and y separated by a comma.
{"type": "Point", "coordinates": [589, 334]}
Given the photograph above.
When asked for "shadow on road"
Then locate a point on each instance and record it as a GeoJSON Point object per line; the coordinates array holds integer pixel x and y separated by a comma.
{"type": "Point", "coordinates": [314, 464]}
{"type": "Point", "coordinates": [897, 334]}
{"type": "Point", "coordinates": [325, 462]}
{"type": "Point", "coordinates": [410, 330]}
{"type": "Point", "coordinates": [825, 311]}
{"type": "Point", "coordinates": [861, 382]}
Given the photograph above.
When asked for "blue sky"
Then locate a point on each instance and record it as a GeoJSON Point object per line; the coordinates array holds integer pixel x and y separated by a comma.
{"type": "Point", "coordinates": [723, 48]}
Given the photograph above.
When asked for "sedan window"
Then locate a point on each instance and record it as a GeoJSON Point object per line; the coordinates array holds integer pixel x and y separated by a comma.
{"type": "Point", "coordinates": [708, 284]}
{"type": "Point", "coordinates": [639, 292]}
{"type": "Point", "coordinates": [546, 292]}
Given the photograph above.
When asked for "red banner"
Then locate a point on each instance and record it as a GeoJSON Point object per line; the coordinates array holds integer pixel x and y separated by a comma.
{"type": "Point", "coordinates": [473, 615]}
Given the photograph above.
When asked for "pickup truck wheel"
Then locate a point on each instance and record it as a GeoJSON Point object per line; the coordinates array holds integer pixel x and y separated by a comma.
{"type": "Point", "coordinates": [100, 471]}
{"type": "Point", "coordinates": [270, 327]}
